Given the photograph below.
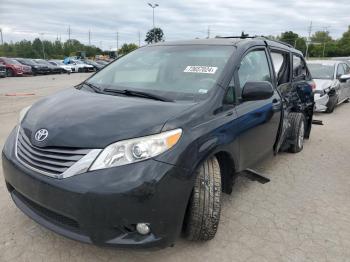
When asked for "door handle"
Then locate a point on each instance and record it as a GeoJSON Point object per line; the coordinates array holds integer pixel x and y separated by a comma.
{"type": "Point", "coordinates": [276, 104]}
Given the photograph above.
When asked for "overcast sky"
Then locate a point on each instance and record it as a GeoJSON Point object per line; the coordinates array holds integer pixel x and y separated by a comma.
{"type": "Point", "coordinates": [20, 19]}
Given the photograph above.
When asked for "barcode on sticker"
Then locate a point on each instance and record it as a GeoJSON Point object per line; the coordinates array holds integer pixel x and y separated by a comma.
{"type": "Point", "coordinates": [201, 69]}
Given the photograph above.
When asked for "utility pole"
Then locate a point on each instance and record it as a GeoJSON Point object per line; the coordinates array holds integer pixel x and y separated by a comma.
{"type": "Point", "coordinates": [117, 41]}
{"type": "Point", "coordinates": [325, 30]}
{"type": "Point", "coordinates": [154, 31]}
{"type": "Point", "coordinates": [89, 38]}
{"type": "Point", "coordinates": [139, 39]}
{"type": "Point", "coordinates": [208, 32]}
{"type": "Point", "coordinates": [69, 32]}
{"type": "Point", "coordinates": [308, 40]}
{"type": "Point", "coordinates": [2, 39]}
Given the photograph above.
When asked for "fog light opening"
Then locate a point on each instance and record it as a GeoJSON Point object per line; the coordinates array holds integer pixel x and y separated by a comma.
{"type": "Point", "coordinates": [143, 228]}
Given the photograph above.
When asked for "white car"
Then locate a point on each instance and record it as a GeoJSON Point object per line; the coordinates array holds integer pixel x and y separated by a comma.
{"type": "Point", "coordinates": [332, 80]}
{"type": "Point", "coordinates": [81, 66]}
{"type": "Point", "coordinates": [58, 63]}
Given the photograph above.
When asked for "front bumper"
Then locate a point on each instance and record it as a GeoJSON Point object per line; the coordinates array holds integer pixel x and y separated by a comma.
{"type": "Point", "coordinates": [321, 102]}
{"type": "Point", "coordinates": [102, 207]}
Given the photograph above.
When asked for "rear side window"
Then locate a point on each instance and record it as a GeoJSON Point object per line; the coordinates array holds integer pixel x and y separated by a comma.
{"type": "Point", "coordinates": [340, 70]}
{"type": "Point", "coordinates": [346, 68]}
{"type": "Point", "coordinates": [254, 67]}
{"type": "Point", "coordinates": [299, 68]}
{"type": "Point", "coordinates": [281, 65]}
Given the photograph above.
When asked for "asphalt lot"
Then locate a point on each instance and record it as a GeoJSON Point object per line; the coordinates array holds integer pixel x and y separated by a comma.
{"type": "Point", "coordinates": [302, 215]}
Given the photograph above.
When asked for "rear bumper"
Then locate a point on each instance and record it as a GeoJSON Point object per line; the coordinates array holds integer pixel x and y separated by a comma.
{"type": "Point", "coordinates": [102, 207]}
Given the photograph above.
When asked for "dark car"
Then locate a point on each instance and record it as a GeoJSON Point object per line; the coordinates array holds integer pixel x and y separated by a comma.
{"type": "Point", "coordinates": [142, 150]}
{"type": "Point", "coordinates": [53, 69]}
{"type": "Point", "coordinates": [2, 70]}
{"type": "Point", "coordinates": [15, 68]}
{"type": "Point", "coordinates": [37, 69]}
{"type": "Point", "coordinates": [94, 64]}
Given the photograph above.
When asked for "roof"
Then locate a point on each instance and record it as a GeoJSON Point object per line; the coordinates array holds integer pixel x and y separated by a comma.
{"type": "Point", "coordinates": [208, 41]}
{"type": "Point", "coordinates": [229, 41]}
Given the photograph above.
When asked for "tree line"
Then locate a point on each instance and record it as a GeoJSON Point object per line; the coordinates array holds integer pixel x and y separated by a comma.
{"type": "Point", "coordinates": [321, 45]}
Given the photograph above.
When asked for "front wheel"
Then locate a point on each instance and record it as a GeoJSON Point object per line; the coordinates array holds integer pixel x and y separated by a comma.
{"type": "Point", "coordinates": [203, 213]}
{"type": "Point", "coordinates": [332, 103]}
{"type": "Point", "coordinates": [9, 72]}
{"type": "Point", "coordinates": [297, 121]}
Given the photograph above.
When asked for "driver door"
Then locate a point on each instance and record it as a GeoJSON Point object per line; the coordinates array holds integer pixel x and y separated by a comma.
{"type": "Point", "coordinates": [258, 121]}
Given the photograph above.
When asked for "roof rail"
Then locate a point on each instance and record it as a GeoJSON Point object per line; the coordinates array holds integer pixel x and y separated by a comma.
{"type": "Point", "coordinates": [245, 36]}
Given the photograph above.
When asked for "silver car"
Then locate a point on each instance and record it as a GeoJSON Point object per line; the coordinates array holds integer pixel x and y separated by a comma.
{"type": "Point", "coordinates": [332, 80]}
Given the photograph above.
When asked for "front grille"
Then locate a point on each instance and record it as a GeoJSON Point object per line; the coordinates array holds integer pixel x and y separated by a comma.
{"type": "Point", "coordinates": [50, 161]}
{"type": "Point", "coordinates": [47, 214]}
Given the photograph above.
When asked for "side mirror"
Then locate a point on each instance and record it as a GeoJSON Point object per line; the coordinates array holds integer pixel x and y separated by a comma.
{"type": "Point", "coordinates": [257, 91]}
{"type": "Point", "coordinates": [344, 78]}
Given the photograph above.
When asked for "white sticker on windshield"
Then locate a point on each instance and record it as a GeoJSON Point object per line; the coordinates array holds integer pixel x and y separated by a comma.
{"type": "Point", "coordinates": [201, 69]}
{"type": "Point", "coordinates": [203, 91]}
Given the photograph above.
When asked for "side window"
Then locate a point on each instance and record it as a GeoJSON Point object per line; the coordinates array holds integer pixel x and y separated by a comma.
{"type": "Point", "coordinates": [281, 65]}
{"type": "Point", "coordinates": [340, 70]}
{"type": "Point", "coordinates": [299, 68]}
{"type": "Point", "coordinates": [254, 67]}
{"type": "Point", "coordinates": [346, 68]}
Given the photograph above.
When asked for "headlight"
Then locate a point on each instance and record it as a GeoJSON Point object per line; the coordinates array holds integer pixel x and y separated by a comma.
{"type": "Point", "coordinates": [23, 113]}
{"type": "Point", "coordinates": [135, 150]}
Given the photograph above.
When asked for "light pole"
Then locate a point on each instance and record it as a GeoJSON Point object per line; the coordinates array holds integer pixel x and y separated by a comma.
{"type": "Point", "coordinates": [42, 44]}
{"type": "Point", "coordinates": [154, 31]}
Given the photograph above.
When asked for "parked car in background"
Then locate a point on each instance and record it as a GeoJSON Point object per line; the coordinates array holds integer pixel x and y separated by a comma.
{"type": "Point", "coordinates": [80, 65]}
{"type": "Point", "coordinates": [2, 70]}
{"type": "Point", "coordinates": [66, 68]}
{"type": "Point", "coordinates": [94, 64]}
{"type": "Point", "coordinates": [102, 62]}
{"type": "Point", "coordinates": [332, 80]}
{"type": "Point", "coordinates": [37, 69]}
{"type": "Point", "coordinates": [53, 69]}
{"type": "Point", "coordinates": [206, 111]}
{"type": "Point", "coordinates": [15, 68]}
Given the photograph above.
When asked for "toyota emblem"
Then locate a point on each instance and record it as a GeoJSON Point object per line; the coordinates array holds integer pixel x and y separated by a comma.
{"type": "Point", "coordinates": [41, 135]}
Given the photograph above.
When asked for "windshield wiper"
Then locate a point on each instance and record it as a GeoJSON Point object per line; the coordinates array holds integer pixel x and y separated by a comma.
{"type": "Point", "coordinates": [129, 92]}
{"type": "Point", "coordinates": [93, 87]}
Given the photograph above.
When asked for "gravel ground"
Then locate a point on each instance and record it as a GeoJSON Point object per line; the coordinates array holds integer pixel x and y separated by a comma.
{"type": "Point", "coordinates": [302, 215]}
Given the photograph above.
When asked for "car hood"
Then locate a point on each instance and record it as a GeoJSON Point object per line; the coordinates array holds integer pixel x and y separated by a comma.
{"type": "Point", "coordinates": [82, 119]}
{"type": "Point", "coordinates": [322, 84]}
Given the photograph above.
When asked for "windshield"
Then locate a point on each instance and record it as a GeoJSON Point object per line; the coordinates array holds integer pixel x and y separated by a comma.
{"type": "Point", "coordinates": [78, 62]}
{"type": "Point", "coordinates": [57, 62]}
{"type": "Point", "coordinates": [175, 72]}
{"type": "Point", "coordinates": [321, 71]}
{"type": "Point", "coordinates": [26, 61]}
{"type": "Point", "coordinates": [11, 61]}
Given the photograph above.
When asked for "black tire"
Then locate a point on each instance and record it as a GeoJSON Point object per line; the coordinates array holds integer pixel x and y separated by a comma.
{"type": "Point", "coordinates": [203, 212]}
{"type": "Point", "coordinates": [332, 103]}
{"type": "Point", "coordinates": [297, 121]}
{"type": "Point", "coordinates": [9, 72]}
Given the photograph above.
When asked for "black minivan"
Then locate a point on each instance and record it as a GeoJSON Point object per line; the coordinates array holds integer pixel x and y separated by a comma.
{"type": "Point", "coordinates": [142, 150]}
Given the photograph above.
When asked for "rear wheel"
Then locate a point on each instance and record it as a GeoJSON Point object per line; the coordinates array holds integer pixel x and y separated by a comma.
{"type": "Point", "coordinates": [297, 132]}
{"type": "Point", "coordinates": [203, 213]}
